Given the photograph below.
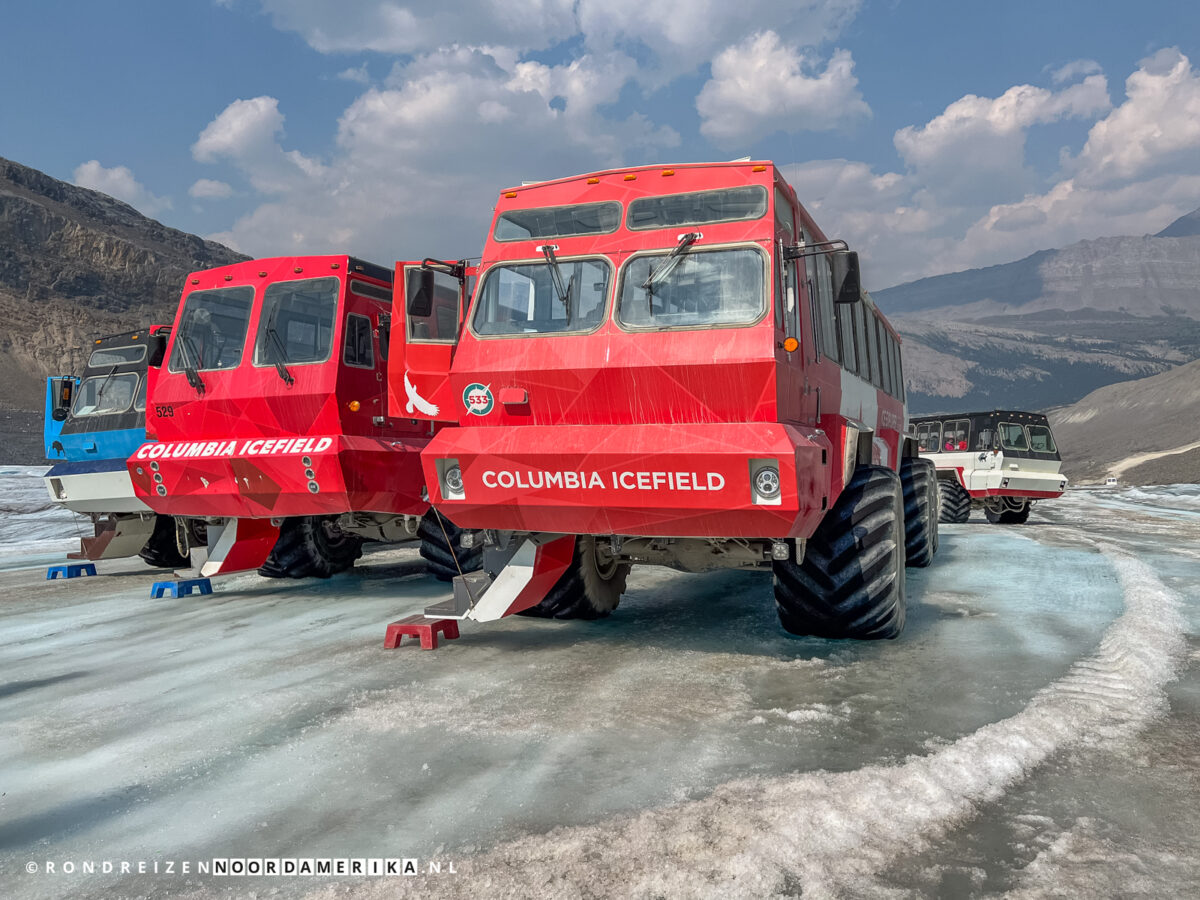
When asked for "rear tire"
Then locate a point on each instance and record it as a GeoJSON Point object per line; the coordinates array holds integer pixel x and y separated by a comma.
{"type": "Point", "coordinates": [918, 478]}
{"type": "Point", "coordinates": [851, 581]}
{"type": "Point", "coordinates": [1008, 516]}
{"type": "Point", "coordinates": [311, 547]}
{"type": "Point", "coordinates": [591, 587]}
{"type": "Point", "coordinates": [955, 505]}
{"type": "Point", "coordinates": [162, 550]}
{"type": "Point", "coordinates": [439, 554]}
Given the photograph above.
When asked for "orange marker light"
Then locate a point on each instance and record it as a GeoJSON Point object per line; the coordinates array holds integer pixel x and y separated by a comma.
{"type": "Point", "coordinates": [335, 265]}
{"type": "Point", "coordinates": [262, 274]}
{"type": "Point", "coordinates": [354, 405]}
{"type": "Point", "coordinates": [298, 270]}
{"type": "Point", "coordinates": [759, 169]}
{"type": "Point", "coordinates": [791, 345]}
{"type": "Point", "coordinates": [593, 181]}
{"type": "Point", "coordinates": [510, 194]}
{"type": "Point", "coordinates": [195, 281]}
{"type": "Point", "coordinates": [667, 172]}
{"type": "Point", "coordinates": [631, 177]}
{"type": "Point", "coordinates": [229, 278]}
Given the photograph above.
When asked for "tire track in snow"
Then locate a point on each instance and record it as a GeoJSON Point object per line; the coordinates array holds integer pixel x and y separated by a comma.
{"type": "Point", "coordinates": [827, 835]}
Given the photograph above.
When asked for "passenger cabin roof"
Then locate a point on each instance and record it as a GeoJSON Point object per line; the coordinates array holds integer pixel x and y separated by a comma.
{"type": "Point", "coordinates": [1008, 415]}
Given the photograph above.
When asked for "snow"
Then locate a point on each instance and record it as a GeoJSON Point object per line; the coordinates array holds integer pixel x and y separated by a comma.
{"type": "Point", "coordinates": [32, 526]}
{"type": "Point", "coordinates": [683, 747]}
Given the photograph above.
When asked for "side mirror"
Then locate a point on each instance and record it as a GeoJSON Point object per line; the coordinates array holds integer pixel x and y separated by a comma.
{"type": "Point", "coordinates": [157, 348]}
{"type": "Point", "coordinates": [847, 285]}
{"type": "Point", "coordinates": [420, 302]}
{"type": "Point", "coordinates": [59, 414]}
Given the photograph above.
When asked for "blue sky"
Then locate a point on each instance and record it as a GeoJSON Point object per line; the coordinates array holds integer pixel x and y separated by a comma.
{"type": "Point", "coordinates": [935, 136]}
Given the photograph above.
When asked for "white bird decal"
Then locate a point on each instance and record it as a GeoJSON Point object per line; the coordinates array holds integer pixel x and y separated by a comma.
{"type": "Point", "coordinates": [422, 405]}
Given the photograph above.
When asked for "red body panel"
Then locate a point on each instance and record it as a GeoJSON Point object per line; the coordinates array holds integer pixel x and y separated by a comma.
{"type": "Point", "coordinates": [249, 432]}
{"type": "Point", "coordinates": [616, 401]}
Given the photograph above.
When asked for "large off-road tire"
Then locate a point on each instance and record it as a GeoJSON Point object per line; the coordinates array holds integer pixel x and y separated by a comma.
{"type": "Point", "coordinates": [955, 505]}
{"type": "Point", "coordinates": [1008, 516]}
{"type": "Point", "coordinates": [591, 587]}
{"type": "Point", "coordinates": [918, 478]}
{"type": "Point", "coordinates": [441, 549]}
{"type": "Point", "coordinates": [161, 549]}
{"type": "Point", "coordinates": [311, 547]}
{"type": "Point", "coordinates": [851, 581]}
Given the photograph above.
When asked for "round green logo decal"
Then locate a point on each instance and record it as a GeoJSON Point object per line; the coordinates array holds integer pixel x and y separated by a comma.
{"type": "Point", "coordinates": [478, 400]}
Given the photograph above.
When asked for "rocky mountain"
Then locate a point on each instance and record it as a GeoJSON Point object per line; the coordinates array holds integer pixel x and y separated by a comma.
{"type": "Point", "coordinates": [1047, 329]}
{"type": "Point", "coordinates": [75, 263]}
{"type": "Point", "coordinates": [1141, 432]}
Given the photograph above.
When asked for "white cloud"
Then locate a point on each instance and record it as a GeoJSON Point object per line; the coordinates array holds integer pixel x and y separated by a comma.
{"type": "Point", "coordinates": [1138, 170]}
{"type": "Point", "coordinates": [119, 182]}
{"type": "Point", "coordinates": [671, 38]}
{"type": "Point", "coordinates": [208, 189]}
{"type": "Point", "coordinates": [973, 153]}
{"type": "Point", "coordinates": [1075, 69]}
{"type": "Point", "coordinates": [419, 162]}
{"type": "Point", "coordinates": [1158, 125]}
{"type": "Point", "coordinates": [358, 75]}
{"type": "Point", "coordinates": [761, 86]}
{"type": "Point", "coordinates": [247, 133]}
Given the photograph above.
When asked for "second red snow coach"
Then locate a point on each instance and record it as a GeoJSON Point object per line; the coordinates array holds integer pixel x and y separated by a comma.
{"type": "Point", "coordinates": [272, 424]}
{"type": "Point", "coordinates": [1002, 461]}
{"type": "Point", "coordinates": [669, 366]}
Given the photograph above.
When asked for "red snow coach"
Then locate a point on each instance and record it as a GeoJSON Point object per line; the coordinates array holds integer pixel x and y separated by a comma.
{"type": "Point", "coordinates": [669, 366]}
{"type": "Point", "coordinates": [271, 419]}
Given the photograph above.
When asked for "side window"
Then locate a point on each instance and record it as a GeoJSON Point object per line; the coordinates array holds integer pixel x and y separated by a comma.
{"type": "Point", "coordinates": [820, 288]}
{"type": "Point", "coordinates": [956, 434]}
{"type": "Point", "coordinates": [845, 319]}
{"type": "Point", "coordinates": [885, 370]}
{"type": "Point", "coordinates": [139, 400]}
{"type": "Point", "coordinates": [357, 350]}
{"type": "Point", "coordinates": [929, 437]}
{"type": "Point", "coordinates": [860, 339]}
{"type": "Point", "coordinates": [440, 324]}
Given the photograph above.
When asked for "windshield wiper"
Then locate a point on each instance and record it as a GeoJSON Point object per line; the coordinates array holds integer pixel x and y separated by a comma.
{"type": "Point", "coordinates": [676, 257]}
{"type": "Point", "coordinates": [280, 350]}
{"type": "Point", "coordinates": [563, 290]}
{"type": "Point", "coordinates": [104, 384]}
{"type": "Point", "coordinates": [190, 369]}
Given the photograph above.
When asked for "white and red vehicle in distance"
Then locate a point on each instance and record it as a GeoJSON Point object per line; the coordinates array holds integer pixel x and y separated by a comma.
{"type": "Point", "coordinates": [666, 366]}
{"type": "Point", "coordinates": [1001, 461]}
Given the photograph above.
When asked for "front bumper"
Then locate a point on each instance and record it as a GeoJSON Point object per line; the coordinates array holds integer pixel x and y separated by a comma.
{"type": "Point", "coordinates": [94, 486]}
{"type": "Point", "coordinates": [687, 480]}
{"type": "Point", "coordinates": [316, 475]}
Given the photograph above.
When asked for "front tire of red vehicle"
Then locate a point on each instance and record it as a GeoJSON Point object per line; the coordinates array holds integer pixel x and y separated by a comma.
{"type": "Point", "coordinates": [441, 549]}
{"type": "Point", "coordinates": [311, 547]}
{"type": "Point", "coordinates": [591, 587]}
{"type": "Point", "coordinates": [851, 581]}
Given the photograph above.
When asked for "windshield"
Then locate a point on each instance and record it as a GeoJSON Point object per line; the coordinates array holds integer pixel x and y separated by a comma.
{"type": "Point", "coordinates": [105, 394]}
{"type": "Point", "coordinates": [700, 208]}
{"type": "Point", "coordinates": [1041, 440]}
{"type": "Point", "coordinates": [558, 221]}
{"type": "Point", "coordinates": [212, 329]}
{"type": "Point", "coordinates": [521, 298]}
{"type": "Point", "coordinates": [115, 356]}
{"type": "Point", "coordinates": [300, 314]}
{"type": "Point", "coordinates": [1012, 437]}
{"type": "Point", "coordinates": [706, 288]}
